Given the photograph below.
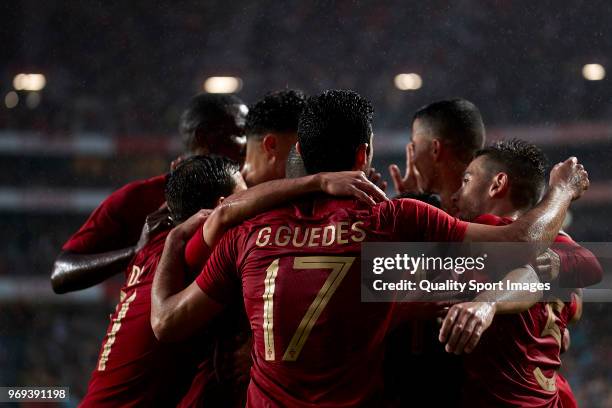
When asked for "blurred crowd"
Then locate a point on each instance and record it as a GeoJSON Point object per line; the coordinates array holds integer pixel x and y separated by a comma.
{"type": "Point", "coordinates": [73, 334]}
{"type": "Point", "coordinates": [130, 67]}
{"type": "Point", "coordinates": [588, 364]}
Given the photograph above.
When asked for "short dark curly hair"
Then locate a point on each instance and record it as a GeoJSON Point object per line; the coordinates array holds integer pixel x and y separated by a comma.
{"type": "Point", "coordinates": [525, 164]}
{"type": "Point", "coordinates": [276, 112]}
{"type": "Point", "coordinates": [197, 183]}
{"type": "Point", "coordinates": [332, 126]}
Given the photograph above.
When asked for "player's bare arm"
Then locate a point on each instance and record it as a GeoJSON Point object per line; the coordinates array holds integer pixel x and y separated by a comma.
{"type": "Point", "coordinates": [465, 322]}
{"type": "Point", "coordinates": [72, 271]}
{"type": "Point", "coordinates": [568, 181]}
{"type": "Point", "coordinates": [176, 311]}
{"type": "Point", "coordinates": [262, 197]}
{"type": "Point", "coordinates": [571, 264]}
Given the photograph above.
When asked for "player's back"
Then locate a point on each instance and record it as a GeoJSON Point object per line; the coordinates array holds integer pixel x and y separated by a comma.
{"type": "Point", "coordinates": [315, 342]}
{"type": "Point", "coordinates": [517, 359]}
{"type": "Point", "coordinates": [133, 368]}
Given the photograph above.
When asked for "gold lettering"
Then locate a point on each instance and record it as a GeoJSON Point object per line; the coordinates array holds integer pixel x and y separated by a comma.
{"type": "Point", "coordinates": [295, 236]}
{"type": "Point", "coordinates": [112, 335]}
{"type": "Point", "coordinates": [286, 238]}
{"type": "Point", "coordinates": [268, 314]}
{"type": "Point", "coordinates": [331, 229]}
{"type": "Point", "coordinates": [342, 231]}
{"type": "Point", "coordinates": [551, 328]}
{"type": "Point", "coordinates": [266, 237]}
{"type": "Point", "coordinates": [134, 275]}
{"type": "Point", "coordinates": [315, 234]}
{"type": "Point", "coordinates": [355, 228]}
{"type": "Point", "coordinates": [548, 384]}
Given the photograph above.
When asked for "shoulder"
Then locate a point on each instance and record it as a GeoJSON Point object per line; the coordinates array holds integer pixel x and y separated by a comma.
{"type": "Point", "coordinates": [405, 205]}
{"type": "Point", "coordinates": [490, 219]}
{"type": "Point", "coordinates": [423, 197]}
{"type": "Point", "coordinates": [279, 214]}
{"type": "Point", "coordinates": [153, 183]}
{"type": "Point", "coordinates": [140, 189]}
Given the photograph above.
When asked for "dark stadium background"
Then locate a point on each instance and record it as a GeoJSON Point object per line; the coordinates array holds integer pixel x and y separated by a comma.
{"type": "Point", "coordinates": [117, 75]}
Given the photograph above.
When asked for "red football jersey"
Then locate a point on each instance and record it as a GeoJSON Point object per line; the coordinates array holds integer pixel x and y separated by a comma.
{"type": "Point", "coordinates": [314, 341]}
{"type": "Point", "coordinates": [566, 395]}
{"type": "Point", "coordinates": [517, 358]}
{"type": "Point", "coordinates": [134, 368]}
{"type": "Point", "coordinates": [118, 221]}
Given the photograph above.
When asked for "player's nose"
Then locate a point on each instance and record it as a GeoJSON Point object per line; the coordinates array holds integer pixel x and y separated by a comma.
{"type": "Point", "coordinates": [455, 197]}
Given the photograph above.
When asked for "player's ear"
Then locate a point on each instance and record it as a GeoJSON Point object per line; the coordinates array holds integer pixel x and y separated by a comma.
{"type": "Point", "coordinates": [219, 201]}
{"type": "Point", "coordinates": [270, 146]}
{"type": "Point", "coordinates": [361, 157]}
{"type": "Point", "coordinates": [269, 142]}
{"type": "Point", "coordinates": [435, 148]}
{"type": "Point", "coordinates": [298, 148]}
{"type": "Point", "coordinates": [499, 185]}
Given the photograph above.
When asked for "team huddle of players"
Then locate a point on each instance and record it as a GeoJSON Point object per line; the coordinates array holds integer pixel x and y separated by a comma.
{"type": "Point", "coordinates": [239, 296]}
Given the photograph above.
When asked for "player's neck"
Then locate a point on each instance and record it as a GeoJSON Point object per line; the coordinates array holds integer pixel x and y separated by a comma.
{"type": "Point", "coordinates": [504, 209]}
{"type": "Point", "coordinates": [446, 187]}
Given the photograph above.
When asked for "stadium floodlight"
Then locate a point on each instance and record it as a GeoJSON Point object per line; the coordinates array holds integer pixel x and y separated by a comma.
{"type": "Point", "coordinates": [11, 99]}
{"type": "Point", "coordinates": [222, 84]}
{"type": "Point", "coordinates": [29, 82]}
{"type": "Point", "coordinates": [408, 82]}
{"type": "Point", "coordinates": [593, 72]}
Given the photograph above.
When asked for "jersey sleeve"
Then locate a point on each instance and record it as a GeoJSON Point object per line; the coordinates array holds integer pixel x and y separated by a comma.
{"type": "Point", "coordinates": [197, 252]}
{"type": "Point", "coordinates": [117, 222]}
{"type": "Point", "coordinates": [219, 277]}
{"type": "Point", "coordinates": [579, 267]}
{"type": "Point", "coordinates": [573, 307]}
{"type": "Point", "coordinates": [414, 220]}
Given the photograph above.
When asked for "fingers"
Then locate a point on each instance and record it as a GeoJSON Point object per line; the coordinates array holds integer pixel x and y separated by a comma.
{"type": "Point", "coordinates": [371, 189]}
{"type": "Point", "coordinates": [544, 272]}
{"type": "Point", "coordinates": [189, 227]}
{"type": "Point", "coordinates": [376, 178]}
{"type": "Point", "coordinates": [457, 331]}
{"type": "Point", "coordinates": [466, 335]}
{"type": "Point", "coordinates": [157, 219]}
{"type": "Point", "coordinates": [410, 157]}
{"type": "Point", "coordinates": [543, 266]}
{"type": "Point", "coordinates": [585, 179]}
{"type": "Point", "coordinates": [176, 162]}
{"type": "Point", "coordinates": [448, 323]}
{"type": "Point", "coordinates": [353, 184]}
{"type": "Point", "coordinates": [373, 175]}
{"type": "Point", "coordinates": [474, 339]}
{"type": "Point", "coordinates": [396, 177]}
{"type": "Point", "coordinates": [462, 329]}
{"type": "Point", "coordinates": [543, 258]}
{"type": "Point", "coordinates": [362, 196]}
